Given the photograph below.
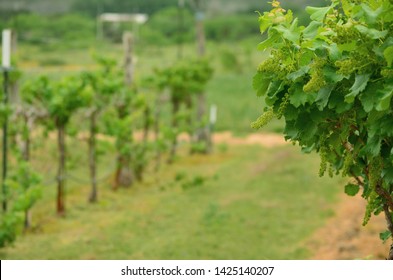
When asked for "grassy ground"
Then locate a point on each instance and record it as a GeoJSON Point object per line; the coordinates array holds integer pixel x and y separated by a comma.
{"type": "Point", "coordinates": [247, 203]}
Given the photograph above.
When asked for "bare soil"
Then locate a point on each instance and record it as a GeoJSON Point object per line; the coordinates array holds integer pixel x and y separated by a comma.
{"type": "Point", "coordinates": [344, 238]}
{"type": "Point", "coordinates": [268, 140]}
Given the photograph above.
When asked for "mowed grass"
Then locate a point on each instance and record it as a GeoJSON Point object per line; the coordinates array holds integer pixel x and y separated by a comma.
{"type": "Point", "coordinates": [246, 203]}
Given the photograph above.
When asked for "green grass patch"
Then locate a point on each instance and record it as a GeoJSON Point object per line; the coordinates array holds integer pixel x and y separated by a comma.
{"type": "Point", "coordinates": [246, 203]}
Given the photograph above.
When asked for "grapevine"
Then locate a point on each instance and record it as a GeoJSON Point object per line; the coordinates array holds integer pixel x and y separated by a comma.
{"type": "Point", "coordinates": [332, 82]}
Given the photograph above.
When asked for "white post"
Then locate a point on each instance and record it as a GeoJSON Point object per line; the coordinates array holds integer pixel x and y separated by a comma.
{"type": "Point", "coordinates": [6, 49]}
{"type": "Point", "coordinates": [213, 114]}
{"type": "Point", "coordinates": [6, 63]}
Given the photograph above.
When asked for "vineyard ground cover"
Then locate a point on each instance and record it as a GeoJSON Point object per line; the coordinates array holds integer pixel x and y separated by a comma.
{"type": "Point", "coordinates": [241, 208]}
{"type": "Point", "coordinates": [343, 237]}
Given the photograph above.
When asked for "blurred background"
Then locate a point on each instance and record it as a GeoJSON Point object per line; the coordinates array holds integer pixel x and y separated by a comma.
{"type": "Point", "coordinates": [246, 194]}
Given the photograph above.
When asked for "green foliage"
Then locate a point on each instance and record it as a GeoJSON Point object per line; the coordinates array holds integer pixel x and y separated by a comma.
{"type": "Point", "coordinates": [91, 7]}
{"type": "Point", "coordinates": [230, 27]}
{"type": "Point", "coordinates": [185, 77]}
{"type": "Point", "coordinates": [25, 186]}
{"type": "Point", "coordinates": [102, 84]}
{"type": "Point", "coordinates": [8, 228]}
{"type": "Point", "coordinates": [59, 98]}
{"type": "Point", "coordinates": [24, 191]}
{"type": "Point", "coordinates": [351, 189]}
{"type": "Point", "coordinates": [230, 61]}
{"type": "Point", "coordinates": [386, 235]}
{"type": "Point", "coordinates": [164, 27]}
{"type": "Point", "coordinates": [334, 77]}
{"type": "Point", "coordinates": [68, 30]}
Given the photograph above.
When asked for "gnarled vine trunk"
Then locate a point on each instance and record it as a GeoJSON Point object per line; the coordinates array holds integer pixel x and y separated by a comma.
{"type": "Point", "coordinates": [93, 157]}
{"type": "Point", "coordinates": [61, 172]}
{"type": "Point", "coordinates": [124, 175]}
{"type": "Point", "coordinates": [26, 158]}
{"type": "Point", "coordinates": [175, 110]}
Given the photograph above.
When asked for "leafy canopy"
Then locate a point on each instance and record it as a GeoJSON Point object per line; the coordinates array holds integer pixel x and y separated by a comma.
{"type": "Point", "coordinates": [332, 81]}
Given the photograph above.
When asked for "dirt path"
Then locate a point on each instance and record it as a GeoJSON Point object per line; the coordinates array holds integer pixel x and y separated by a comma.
{"type": "Point", "coordinates": [344, 237]}
{"type": "Point", "coordinates": [268, 140]}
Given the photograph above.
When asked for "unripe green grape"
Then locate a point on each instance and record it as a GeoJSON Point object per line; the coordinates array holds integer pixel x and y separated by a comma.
{"type": "Point", "coordinates": [374, 172]}
{"type": "Point", "coordinates": [317, 80]}
{"type": "Point", "coordinates": [315, 84]}
{"type": "Point", "coordinates": [346, 33]}
{"type": "Point", "coordinates": [387, 73]}
{"type": "Point", "coordinates": [348, 160]}
{"type": "Point", "coordinates": [283, 106]}
{"type": "Point", "coordinates": [323, 165]}
{"type": "Point", "coordinates": [331, 171]}
{"type": "Point", "coordinates": [263, 120]}
{"type": "Point", "coordinates": [371, 206]}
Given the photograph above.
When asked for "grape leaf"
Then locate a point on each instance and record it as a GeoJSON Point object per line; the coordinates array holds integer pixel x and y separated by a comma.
{"type": "Point", "coordinates": [388, 54]}
{"type": "Point", "coordinates": [260, 83]}
{"type": "Point", "coordinates": [384, 236]}
{"type": "Point", "coordinates": [274, 88]}
{"type": "Point", "coordinates": [371, 32]}
{"type": "Point", "coordinates": [306, 126]}
{"type": "Point", "coordinates": [359, 85]}
{"type": "Point", "coordinates": [289, 34]}
{"type": "Point", "coordinates": [370, 97]}
{"type": "Point", "coordinates": [386, 96]}
{"type": "Point", "coordinates": [295, 75]}
{"type": "Point", "coordinates": [323, 96]}
{"type": "Point", "coordinates": [299, 97]}
{"type": "Point", "coordinates": [372, 148]}
{"type": "Point", "coordinates": [331, 75]}
{"type": "Point", "coordinates": [351, 189]}
{"type": "Point", "coordinates": [311, 30]}
{"type": "Point", "coordinates": [317, 14]}
{"type": "Point", "coordinates": [264, 23]}
{"type": "Point", "coordinates": [371, 15]}
{"type": "Point", "coordinates": [267, 43]}
{"type": "Point", "coordinates": [334, 51]}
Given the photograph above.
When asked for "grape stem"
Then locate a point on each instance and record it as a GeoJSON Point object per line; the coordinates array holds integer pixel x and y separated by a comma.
{"type": "Point", "coordinates": [385, 194]}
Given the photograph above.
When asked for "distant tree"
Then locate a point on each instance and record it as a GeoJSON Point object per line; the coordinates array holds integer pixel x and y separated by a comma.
{"type": "Point", "coordinates": [60, 100]}
{"type": "Point", "coordinates": [103, 84]}
{"type": "Point", "coordinates": [94, 7]}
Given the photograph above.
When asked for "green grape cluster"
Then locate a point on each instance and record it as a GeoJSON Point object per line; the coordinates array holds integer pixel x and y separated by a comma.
{"type": "Point", "coordinates": [372, 204]}
{"type": "Point", "coordinates": [274, 64]}
{"type": "Point", "coordinates": [317, 80]}
{"type": "Point", "coordinates": [323, 166]}
{"type": "Point", "coordinates": [263, 120]}
{"type": "Point", "coordinates": [346, 32]}
{"type": "Point", "coordinates": [374, 172]}
{"type": "Point", "coordinates": [387, 73]}
{"type": "Point", "coordinates": [348, 161]}
{"type": "Point", "coordinates": [283, 106]}
{"type": "Point", "coordinates": [269, 66]}
{"type": "Point", "coordinates": [331, 171]}
{"type": "Point", "coordinates": [356, 63]}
